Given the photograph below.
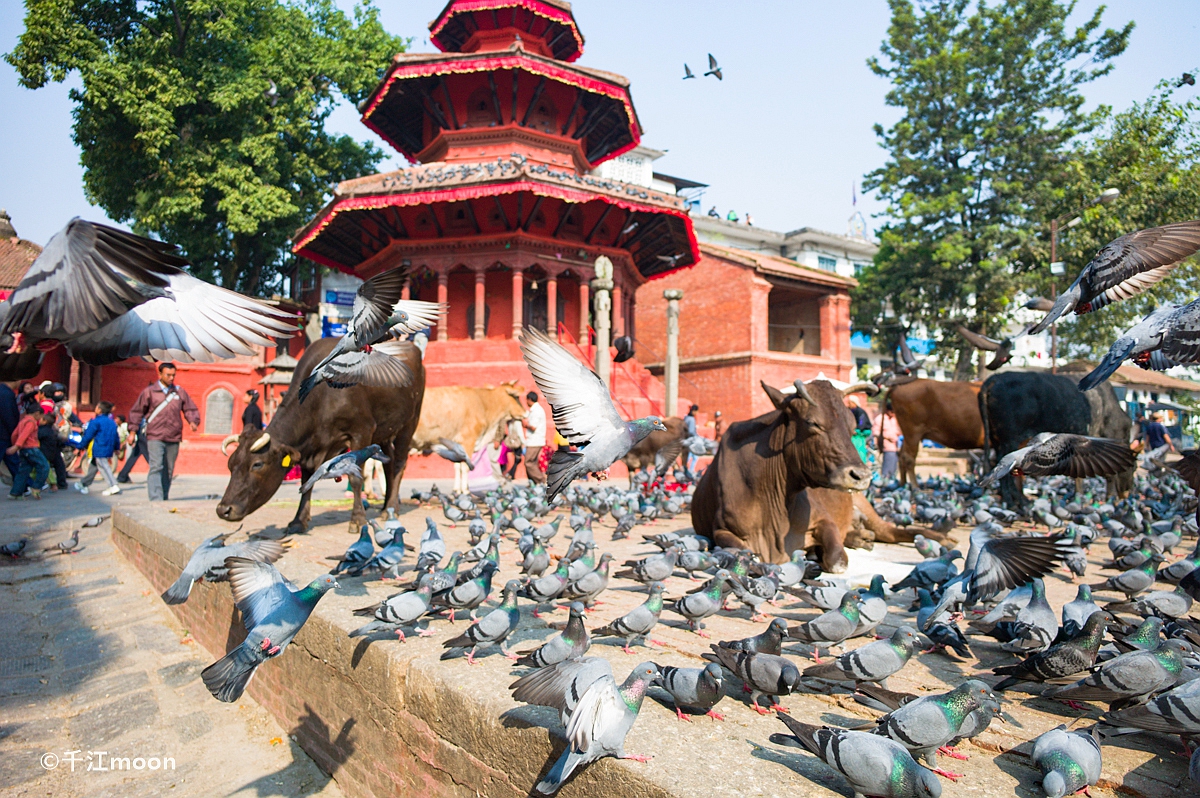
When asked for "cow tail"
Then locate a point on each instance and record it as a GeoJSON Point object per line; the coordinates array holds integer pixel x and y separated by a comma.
{"type": "Point", "coordinates": [987, 432]}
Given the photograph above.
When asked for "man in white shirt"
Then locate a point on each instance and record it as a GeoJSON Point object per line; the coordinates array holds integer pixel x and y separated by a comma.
{"type": "Point", "coordinates": [535, 438]}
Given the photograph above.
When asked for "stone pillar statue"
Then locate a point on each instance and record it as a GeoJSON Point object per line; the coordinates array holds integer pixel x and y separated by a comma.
{"type": "Point", "coordinates": [603, 285]}
{"type": "Point", "coordinates": [672, 295]}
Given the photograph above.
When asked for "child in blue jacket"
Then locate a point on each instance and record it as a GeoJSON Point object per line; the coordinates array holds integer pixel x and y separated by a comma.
{"type": "Point", "coordinates": [102, 434]}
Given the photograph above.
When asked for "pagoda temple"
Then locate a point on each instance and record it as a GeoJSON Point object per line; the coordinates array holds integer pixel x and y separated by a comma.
{"type": "Point", "coordinates": [499, 216]}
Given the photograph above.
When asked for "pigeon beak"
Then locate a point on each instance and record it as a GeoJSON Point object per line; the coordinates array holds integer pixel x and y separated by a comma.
{"type": "Point", "coordinates": [336, 585]}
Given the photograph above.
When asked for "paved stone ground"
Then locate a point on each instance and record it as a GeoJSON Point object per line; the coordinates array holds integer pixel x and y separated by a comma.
{"type": "Point", "coordinates": [92, 660]}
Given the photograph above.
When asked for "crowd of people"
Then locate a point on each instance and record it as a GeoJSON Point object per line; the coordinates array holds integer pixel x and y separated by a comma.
{"type": "Point", "coordinates": [47, 440]}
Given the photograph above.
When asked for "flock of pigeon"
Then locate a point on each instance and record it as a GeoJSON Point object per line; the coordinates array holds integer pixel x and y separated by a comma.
{"type": "Point", "coordinates": [1136, 653]}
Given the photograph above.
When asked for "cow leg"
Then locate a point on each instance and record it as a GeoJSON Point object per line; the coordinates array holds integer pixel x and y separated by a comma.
{"type": "Point", "coordinates": [726, 539]}
{"type": "Point", "coordinates": [299, 524]}
{"type": "Point", "coordinates": [358, 516]}
{"type": "Point", "coordinates": [908, 461]}
{"type": "Point", "coordinates": [395, 473]}
{"type": "Point", "coordinates": [832, 546]}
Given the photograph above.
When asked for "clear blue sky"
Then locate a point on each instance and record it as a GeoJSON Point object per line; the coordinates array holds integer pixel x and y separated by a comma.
{"type": "Point", "coordinates": [783, 136]}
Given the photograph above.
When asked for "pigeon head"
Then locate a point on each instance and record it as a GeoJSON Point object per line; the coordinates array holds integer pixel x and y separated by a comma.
{"type": "Point", "coordinates": [576, 610]}
{"type": "Point", "coordinates": [927, 784]}
{"type": "Point", "coordinates": [789, 678]}
{"type": "Point", "coordinates": [779, 626]}
{"type": "Point", "coordinates": [639, 428]}
{"type": "Point", "coordinates": [714, 673]}
{"type": "Point", "coordinates": [1054, 785]}
{"type": "Point", "coordinates": [656, 589]}
{"type": "Point", "coordinates": [324, 583]}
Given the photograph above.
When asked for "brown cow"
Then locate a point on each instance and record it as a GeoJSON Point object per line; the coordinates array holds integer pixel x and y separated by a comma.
{"type": "Point", "coordinates": [944, 412]}
{"type": "Point", "coordinates": [836, 520]}
{"type": "Point", "coordinates": [332, 421]}
{"type": "Point", "coordinates": [470, 416]}
{"type": "Point", "coordinates": [642, 455]}
{"type": "Point", "coordinates": [744, 499]}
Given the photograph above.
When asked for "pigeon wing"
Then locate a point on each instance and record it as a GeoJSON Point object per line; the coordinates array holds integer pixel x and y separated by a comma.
{"type": "Point", "coordinates": [1079, 456]}
{"type": "Point", "coordinates": [665, 457]}
{"type": "Point", "coordinates": [1005, 563]}
{"type": "Point", "coordinates": [375, 369]}
{"type": "Point", "coordinates": [421, 315]}
{"type": "Point", "coordinates": [581, 404]}
{"type": "Point", "coordinates": [1189, 469]}
{"type": "Point", "coordinates": [1132, 263]}
{"type": "Point", "coordinates": [600, 709]}
{"type": "Point", "coordinates": [978, 341]}
{"type": "Point", "coordinates": [88, 275]}
{"type": "Point", "coordinates": [200, 322]}
{"type": "Point", "coordinates": [1182, 341]}
{"type": "Point", "coordinates": [256, 587]}
{"type": "Point", "coordinates": [373, 302]}
{"type": "Point", "coordinates": [561, 686]}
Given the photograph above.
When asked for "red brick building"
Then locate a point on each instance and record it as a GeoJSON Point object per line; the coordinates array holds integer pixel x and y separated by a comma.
{"type": "Point", "coordinates": [745, 317]}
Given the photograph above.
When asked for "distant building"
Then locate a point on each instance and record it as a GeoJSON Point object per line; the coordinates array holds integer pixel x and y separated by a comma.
{"type": "Point", "coordinates": [16, 255]}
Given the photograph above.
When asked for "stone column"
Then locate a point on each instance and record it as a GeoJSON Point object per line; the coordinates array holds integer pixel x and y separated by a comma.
{"type": "Point", "coordinates": [480, 304]}
{"type": "Point", "coordinates": [552, 306]}
{"type": "Point", "coordinates": [618, 311]}
{"type": "Point", "coordinates": [443, 293]}
{"type": "Point", "coordinates": [584, 302]}
{"type": "Point", "coordinates": [672, 295]}
{"type": "Point", "coordinates": [602, 285]}
{"type": "Point", "coordinates": [834, 314]}
{"type": "Point", "coordinates": [518, 300]}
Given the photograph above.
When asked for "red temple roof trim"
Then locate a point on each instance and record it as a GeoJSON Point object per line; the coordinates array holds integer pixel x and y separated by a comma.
{"type": "Point", "coordinates": [432, 64]}
{"type": "Point", "coordinates": [545, 10]}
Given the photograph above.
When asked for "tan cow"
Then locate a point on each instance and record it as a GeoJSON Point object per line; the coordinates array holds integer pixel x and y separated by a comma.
{"type": "Point", "coordinates": [468, 415]}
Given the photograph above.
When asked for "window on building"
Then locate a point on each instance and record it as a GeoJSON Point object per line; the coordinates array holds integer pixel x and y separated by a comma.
{"type": "Point", "coordinates": [218, 412]}
{"type": "Point", "coordinates": [858, 268]}
{"type": "Point", "coordinates": [793, 322]}
{"type": "Point", "coordinates": [827, 263]}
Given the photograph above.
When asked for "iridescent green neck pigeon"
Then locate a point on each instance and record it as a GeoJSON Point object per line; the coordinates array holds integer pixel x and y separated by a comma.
{"type": "Point", "coordinates": [1061, 659]}
{"type": "Point", "coordinates": [1126, 679]}
{"type": "Point", "coordinates": [638, 621]}
{"type": "Point", "coordinates": [495, 627]}
{"type": "Point", "coordinates": [1069, 761]}
{"type": "Point", "coordinates": [930, 722]}
{"type": "Point", "coordinates": [273, 611]}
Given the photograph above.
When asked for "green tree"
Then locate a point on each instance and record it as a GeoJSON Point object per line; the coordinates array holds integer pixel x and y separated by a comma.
{"type": "Point", "coordinates": [991, 101]}
{"type": "Point", "coordinates": [1151, 152]}
{"type": "Point", "coordinates": [202, 122]}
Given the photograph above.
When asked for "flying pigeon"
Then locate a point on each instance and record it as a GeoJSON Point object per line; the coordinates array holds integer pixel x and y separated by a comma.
{"type": "Point", "coordinates": [1171, 332]}
{"type": "Point", "coordinates": [1064, 454]}
{"type": "Point", "coordinates": [560, 686]}
{"type": "Point", "coordinates": [273, 611]}
{"type": "Point", "coordinates": [451, 450]}
{"type": "Point", "coordinates": [572, 643]}
{"type": "Point", "coordinates": [347, 464]}
{"type": "Point", "coordinates": [378, 366]}
{"type": "Point", "coordinates": [396, 611]}
{"type": "Point", "coordinates": [108, 295]}
{"type": "Point", "coordinates": [695, 689]}
{"type": "Point", "coordinates": [713, 68]}
{"type": "Point", "coordinates": [1124, 268]}
{"type": "Point", "coordinates": [583, 413]}
{"type": "Point", "coordinates": [208, 562]}
{"type": "Point", "coordinates": [1003, 348]}
{"type": "Point", "coordinates": [873, 765]}
{"type": "Point", "coordinates": [687, 72]}
{"type": "Point", "coordinates": [638, 621]}
{"type": "Point", "coordinates": [1069, 761]}
{"type": "Point", "coordinates": [495, 627]}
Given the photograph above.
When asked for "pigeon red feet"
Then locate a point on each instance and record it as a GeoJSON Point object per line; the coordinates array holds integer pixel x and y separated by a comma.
{"type": "Point", "coordinates": [779, 708]}
{"type": "Point", "coordinates": [650, 642]}
{"type": "Point", "coordinates": [760, 710]}
{"type": "Point", "coordinates": [274, 651]}
{"type": "Point", "coordinates": [816, 656]}
{"type": "Point", "coordinates": [266, 644]}
{"type": "Point", "coordinates": [948, 774]}
{"type": "Point", "coordinates": [426, 632]}
{"type": "Point", "coordinates": [950, 752]}
{"type": "Point", "coordinates": [638, 758]}
{"type": "Point", "coordinates": [510, 656]}
{"type": "Point", "coordinates": [935, 647]}
{"type": "Point", "coordinates": [1075, 705]}
{"type": "Point", "coordinates": [746, 688]}
{"type": "Point", "coordinates": [702, 633]}
{"type": "Point", "coordinates": [400, 635]}
{"type": "Point", "coordinates": [471, 657]}
{"type": "Point", "coordinates": [628, 650]}
{"type": "Point", "coordinates": [715, 715]}
{"type": "Point", "coordinates": [759, 617]}
{"type": "Point", "coordinates": [681, 716]}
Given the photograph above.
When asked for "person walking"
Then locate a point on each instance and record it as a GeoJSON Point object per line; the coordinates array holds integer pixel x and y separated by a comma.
{"type": "Point", "coordinates": [135, 447]}
{"type": "Point", "coordinates": [33, 469]}
{"type": "Point", "coordinates": [163, 405]}
{"type": "Point", "coordinates": [689, 436]}
{"type": "Point", "coordinates": [886, 431]}
{"type": "Point", "coordinates": [102, 434]}
{"type": "Point", "coordinates": [534, 423]}
{"type": "Point", "coordinates": [10, 416]}
{"type": "Point", "coordinates": [51, 448]}
{"type": "Point", "coordinates": [1158, 443]}
{"type": "Point", "coordinates": [252, 415]}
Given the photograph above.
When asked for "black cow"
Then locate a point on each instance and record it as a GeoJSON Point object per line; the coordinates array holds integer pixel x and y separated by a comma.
{"type": "Point", "coordinates": [1016, 405]}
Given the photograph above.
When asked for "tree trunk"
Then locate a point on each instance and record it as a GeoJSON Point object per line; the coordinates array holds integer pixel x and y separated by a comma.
{"type": "Point", "coordinates": [964, 369]}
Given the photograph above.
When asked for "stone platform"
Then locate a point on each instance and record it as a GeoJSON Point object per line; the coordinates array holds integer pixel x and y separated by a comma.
{"type": "Point", "coordinates": [388, 718]}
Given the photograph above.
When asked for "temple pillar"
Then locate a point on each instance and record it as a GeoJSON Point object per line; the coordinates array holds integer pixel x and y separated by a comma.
{"type": "Point", "coordinates": [443, 294]}
{"type": "Point", "coordinates": [618, 311]}
{"type": "Point", "coordinates": [480, 304]}
{"type": "Point", "coordinates": [584, 306]}
{"type": "Point", "coordinates": [552, 306]}
{"type": "Point", "coordinates": [518, 300]}
{"type": "Point", "coordinates": [834, 315]}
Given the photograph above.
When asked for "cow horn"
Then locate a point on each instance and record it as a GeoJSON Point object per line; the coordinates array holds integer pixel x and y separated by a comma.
{"type": "Point", "coordinates": [225, 444]}
{"type": "Point", "coordinates": [802, 392]}
{"type": "Point", "coordinates": [261, 442]}
{"type": "Point", "coordinates": [869, 388]}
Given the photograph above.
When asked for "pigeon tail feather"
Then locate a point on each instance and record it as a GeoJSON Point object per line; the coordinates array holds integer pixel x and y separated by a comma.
{"type": "Point", "coordinates": [227, 678]}
{"type": "Point", "coordinates": [561, 771]}
{"type": "Point", "coordinates": [1066, 301]}
{"type": "Point", "coordinates": [563, 468]}
{"type": "Point", "coordinates": [178, 593]}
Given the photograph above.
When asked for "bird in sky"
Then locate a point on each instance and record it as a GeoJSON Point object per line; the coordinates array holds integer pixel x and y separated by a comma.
{"type": "Point", "coordinates": [1169, 335]}
{"type": "Point", "coordinates": [713, 68]}
{"type": "Point", "coordinates": [687, 72]}
{"type": "Point", "coordinates": [1003, 348]}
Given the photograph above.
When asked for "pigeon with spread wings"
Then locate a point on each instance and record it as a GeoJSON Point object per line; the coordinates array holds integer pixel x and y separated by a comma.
{"type": "Point", "coordinates": [583, 413]}
{"type": "Point", "coordinates": [108, 295]}
{"type": "Point", "coordinates": [1126, 267]}
{"type": "Point", "coordinates": [376, 366]}
{"type": "Point", "coordinates": [1168, 336]}
{"type": "Point", "coordinates": [1079, 456]}
{"type": "Point", "coordinates": [1003, 348]}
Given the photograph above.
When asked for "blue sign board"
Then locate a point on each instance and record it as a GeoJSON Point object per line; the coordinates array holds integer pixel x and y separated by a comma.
{"type": "Point", "coordinates": [340, 298]}
{"type": "Point", "coordinates": [332, 329]}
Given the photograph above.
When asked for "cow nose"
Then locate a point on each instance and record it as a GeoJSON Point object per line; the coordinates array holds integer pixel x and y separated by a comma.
{"type": "Point", "coordinates": [223, 510]}
{"type": "Point", "coordinates": [859, 474]}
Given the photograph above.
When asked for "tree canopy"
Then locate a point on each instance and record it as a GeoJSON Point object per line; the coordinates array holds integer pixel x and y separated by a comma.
{"type": "Point", "coordinates": [992, 104]}
{"type": "Point", "coordinates": [203, 122]}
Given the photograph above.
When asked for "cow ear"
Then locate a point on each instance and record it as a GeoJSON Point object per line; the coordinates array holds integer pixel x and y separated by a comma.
{"type": "Point", "coordinates": [289, 457]}
{"type": "Point", "coordinates": [774, 394]}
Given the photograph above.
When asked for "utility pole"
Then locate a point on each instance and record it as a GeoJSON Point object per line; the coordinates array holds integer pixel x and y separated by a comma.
{"type": "Point", "coordinates": [672, 295]}
{"type": "Point", "coordinates": [602, 287]}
